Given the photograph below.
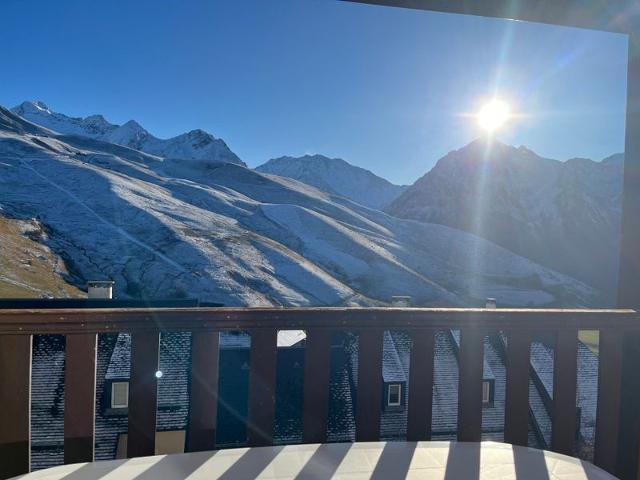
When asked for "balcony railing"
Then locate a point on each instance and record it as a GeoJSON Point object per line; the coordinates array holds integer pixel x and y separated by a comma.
{"type": "Point", "coordinates": [81, 326]}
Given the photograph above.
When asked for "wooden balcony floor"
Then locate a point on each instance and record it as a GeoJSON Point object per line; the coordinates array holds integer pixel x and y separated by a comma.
{"type": "Point", "coordinates": [380, 460]}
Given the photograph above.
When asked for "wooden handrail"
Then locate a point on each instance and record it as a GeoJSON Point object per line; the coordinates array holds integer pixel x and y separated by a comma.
{"type": "Point", "coordinates": [63, 321]}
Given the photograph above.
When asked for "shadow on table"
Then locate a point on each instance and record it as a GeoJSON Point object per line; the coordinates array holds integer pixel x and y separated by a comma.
{"type": "Point", "coordinates": [463, 463]}
{"type": "Point", "coordinates": [95, 471]}
{"type": "Point", "coordinates": [174, 468]}
{"type": "Point", "coordinates": [394, 461]}
{"type": "Point", "coordinates": [251, 463]}
{"type": "Point", "coordinates": [162, 468]}
{"type": "Point", "coordinates": [530, 464]}
{"type": "Point", "coordinates": [324, 462]}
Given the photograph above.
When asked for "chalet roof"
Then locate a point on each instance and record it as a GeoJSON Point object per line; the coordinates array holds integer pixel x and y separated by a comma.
{"type": "Point", "coordinates": [119, 364]}
{"type": "Point", "coordinates": [47, 401]}
{"type": "Point", "coordinates": [587, 390]}
{"type": "Point", "coordinates": [114, 358]}
{"type": "Point", "coordinates": [392, 368]}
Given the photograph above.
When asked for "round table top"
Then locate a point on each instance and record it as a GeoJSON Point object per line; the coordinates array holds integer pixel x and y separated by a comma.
{"type": "Point", "coordinates": [381, 460]}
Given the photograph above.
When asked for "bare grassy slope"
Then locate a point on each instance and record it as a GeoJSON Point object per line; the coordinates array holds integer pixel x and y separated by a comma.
{"type": "Point", "coordinates": [27, 267]}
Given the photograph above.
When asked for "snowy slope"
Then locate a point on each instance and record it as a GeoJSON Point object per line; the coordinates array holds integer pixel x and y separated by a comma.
{"type": "Point", "coordinates": [194, 145]}
{"type": "Point", "coordinates": [565, 215]}
{"type": "Point", "coordinates": [336, 176]}
{"type": "Point", "coordinates": [226, 233]}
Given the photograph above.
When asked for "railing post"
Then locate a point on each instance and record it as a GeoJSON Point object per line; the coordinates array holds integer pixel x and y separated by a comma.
{"type": "Point", "coordinates": [420, 385]}
{"type": "Point", "coordinates": [317, 367]}
{"type": "Point", "coordinates": [15, 405]}
{"type": "Point", "coordinates": [79, 397]}
{"type": "Point", "coordinates": [516, 412]}
{"type": "Point", "coordinates": [628, 457]}
{"type": "Point", "coordinates": [608, 410]}
{"type": "Point", "coordinates": [201, 433]}
{"type": "Point", "coordinates": [369, 394]}
{"type": "Point", "coordinates": [471, 362]}
{"type": "Point", "coordinates": [565, 378]}
{"type": "Point", "coordinates": [262, 387]}
{"type": "Point", "coordinates": [143, 394]}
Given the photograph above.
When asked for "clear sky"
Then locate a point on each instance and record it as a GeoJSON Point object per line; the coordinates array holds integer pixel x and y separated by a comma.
{"type": "Point", "coordinates": [383, 88]}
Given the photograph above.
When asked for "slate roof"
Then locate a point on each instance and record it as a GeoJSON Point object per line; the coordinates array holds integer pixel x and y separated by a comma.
{"type": "Point", "coordinates": [587, 398]}
{"type": "Point", "coordinates": [396, 363]}
{"type": "Point", "coordinates": [395, 353]}
{"type": "Point", "coordinates": [47, 378]}
{"type": "Point", "coordinates": [341, 422]}
{"type": "Point", "coordinates": [393, 370]}
{"type": "Point", "coordinates": [445, 387]}
{"type": "Point", "coordinates": [47, 401]}
{"type": "Point", "coordinates": [587, 394]}
{"type": "Point", "coordinates": [445, 396]}
{"type": "Point", "coordinates": [118, 366]}
{"type": "Point", "coordinates": [107, 429]}
{"type": "Point", "coordinates": [173, 394]}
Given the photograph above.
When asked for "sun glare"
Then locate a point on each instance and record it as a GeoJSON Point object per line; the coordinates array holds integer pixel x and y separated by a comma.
{"type": "Point", "coordinates": [493, 115]}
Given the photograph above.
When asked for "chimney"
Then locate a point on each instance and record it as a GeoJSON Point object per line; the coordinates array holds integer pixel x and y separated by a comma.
{"type": "Point", "coordinates": [400, 301]}
{"type": "Point", "coordinates": [491, 303]}
{"type": "Point", "coordinates": [100, 289]}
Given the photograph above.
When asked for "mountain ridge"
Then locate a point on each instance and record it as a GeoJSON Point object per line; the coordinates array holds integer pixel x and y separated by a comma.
{"type": "Point", "coordinates": [565, 214]}
{"type": "Point", "coordinates": [336, 176]}
{"type": "Point", "coordinates": [193, 145]}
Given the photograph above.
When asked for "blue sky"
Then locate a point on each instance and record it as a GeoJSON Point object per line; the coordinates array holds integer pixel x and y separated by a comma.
{"type": "Point", "coordinates": [382, 88]}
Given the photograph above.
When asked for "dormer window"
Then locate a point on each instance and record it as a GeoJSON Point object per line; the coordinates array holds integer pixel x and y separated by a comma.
{"type": "Point", "coordinates": [120, 395]}
{"type": "Point", "coordinates": [487, 392]}
{"type": "Point", "coordinates": [394, 395]}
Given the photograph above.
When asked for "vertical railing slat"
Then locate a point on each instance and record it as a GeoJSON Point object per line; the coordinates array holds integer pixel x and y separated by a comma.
{"type": "Point", "coordinates": [420, 385]}
{"type": "Point", "coordinates": [201, 433]}
{"type": "Point", "coordinates": [565, 366]}
{"type": "Point", "coordinates": [15, 405]}
{"type": "Point", "coordinates": [79, 397]}
{"type": "Point", "coordinates": [369, 395]}
{"type": "Point", "coordinates": [609, 389]}
{"type": "Point", "coordinates": [470, 360]}
{"type": "Point", "coordinates": [143, 394]}
{"type": "Point", "coordinates": [262, 387]}
{"type": "Point", "coordinates": [516, 412]}
{"type": "Point", "coordinates": [317, 366]}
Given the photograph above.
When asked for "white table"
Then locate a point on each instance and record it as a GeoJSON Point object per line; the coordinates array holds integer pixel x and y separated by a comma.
{"type": "Point", "coordinates": [380, 460]}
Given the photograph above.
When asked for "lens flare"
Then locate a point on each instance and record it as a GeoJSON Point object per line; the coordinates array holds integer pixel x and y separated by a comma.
{"type": "Point", "coordinates": [493, 115]}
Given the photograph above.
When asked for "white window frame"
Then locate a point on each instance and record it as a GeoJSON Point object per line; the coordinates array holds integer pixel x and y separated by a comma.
{"type": "Point", "coordinates": [397, 386]}
{"type": "Point", "coordinates": [486, 392]}
{"type": "Point", "coordinates": [113, 404]}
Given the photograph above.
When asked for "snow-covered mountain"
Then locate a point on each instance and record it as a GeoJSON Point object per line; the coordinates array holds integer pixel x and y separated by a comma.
{"type": "Point", "coordinates": [194, 145]}
{"type": "Point", "coordinates": [565, 215]}
{"type": "Point", "coordinates": [222, 232]}
{"type": "Point", "coordinates": [336, 176]}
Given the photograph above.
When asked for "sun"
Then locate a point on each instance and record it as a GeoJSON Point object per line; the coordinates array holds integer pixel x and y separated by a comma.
{"type": "Point", "coordinates": [493, 115]}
